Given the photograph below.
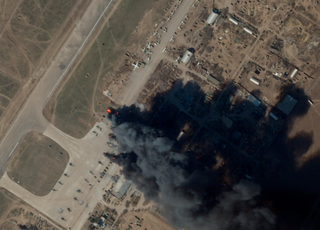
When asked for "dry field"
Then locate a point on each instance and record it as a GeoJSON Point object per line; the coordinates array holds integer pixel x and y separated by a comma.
{"type": "Point", "coordinates": [31, 33]}
{"type": "Point", "coordinates": [38, 163]}
{"type": "Point", "coordinates": [14, 211]}
{"type": "Point", "coordinates": [76, 107]}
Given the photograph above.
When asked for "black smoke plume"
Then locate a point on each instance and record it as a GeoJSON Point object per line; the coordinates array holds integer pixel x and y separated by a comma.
{"type": "Point", "coordinates": [191, 197]}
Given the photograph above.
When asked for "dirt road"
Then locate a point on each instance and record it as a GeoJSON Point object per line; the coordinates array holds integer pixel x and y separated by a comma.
{"type": "Point", "coordinates": [139, 77]}
{"type": "Point", "coordinates": [30, 117]}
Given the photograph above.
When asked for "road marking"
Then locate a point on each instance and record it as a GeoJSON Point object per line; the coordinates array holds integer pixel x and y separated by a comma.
{"type": "Point", "coordinates": [13, 149]}
{"type": "Point", "coordinates": [80, 49]}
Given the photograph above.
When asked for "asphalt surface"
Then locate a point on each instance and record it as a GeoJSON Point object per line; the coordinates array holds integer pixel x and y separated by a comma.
{"type": "Point", "coordinates": [140, 76]}
{"type": "Point", "coordinates": [84, 153]}
{"type": "Point", "coordinates": [30, 116]}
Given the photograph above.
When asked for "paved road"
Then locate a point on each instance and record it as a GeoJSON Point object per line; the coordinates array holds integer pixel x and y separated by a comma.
{"type": "Point", "coordinates": [140, 76]}
{"type": "Point", "coordinates": [30, 116]}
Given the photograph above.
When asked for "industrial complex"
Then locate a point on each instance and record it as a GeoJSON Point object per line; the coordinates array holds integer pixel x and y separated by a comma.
{"type": "Point", "coordinates": [160, 114]}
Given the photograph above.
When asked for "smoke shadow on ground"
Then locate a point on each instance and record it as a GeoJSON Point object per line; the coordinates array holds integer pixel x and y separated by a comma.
{"type": "Point", "coordinates": [229, 138]}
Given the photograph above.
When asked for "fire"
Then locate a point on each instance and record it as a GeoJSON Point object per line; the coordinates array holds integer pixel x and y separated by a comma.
{"type": "Point", "coordinates": [109, 111]}
{"type": "Point", "coordinates": [197, 158]}
{"type": "Point", "coordinates": [113, 158]}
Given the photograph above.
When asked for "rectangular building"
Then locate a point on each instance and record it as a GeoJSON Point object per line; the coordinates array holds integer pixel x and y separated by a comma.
{"type": "Point", "coordinates": [212, 18]}
{"type": "Point", "coordinates": [213, 80]}
{"type": "Point", "coordinates": [293, 73]}
{"type": "Point", "coordinates": [247, 30]}
{"type": "Point", "coordinates": [255, 81]}
{"type": "Point", "coordinates": [234, 21]}
{"type": "Point", "coordinates": [123, 189]}
{"type": "Point", "coordinates": [186, 57]}
{"type": "Point", "coordinates": [274, 116]}
{"type": "Point", "coordinates": [254, 100]}
{"type": "Point", "coordinates": [287, 105]}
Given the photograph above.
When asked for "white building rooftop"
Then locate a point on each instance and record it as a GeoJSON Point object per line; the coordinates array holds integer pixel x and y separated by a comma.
{"type": "Point", "coordinates": [212, 18]}
{"type": "Point", "coordinates": [186, 57]}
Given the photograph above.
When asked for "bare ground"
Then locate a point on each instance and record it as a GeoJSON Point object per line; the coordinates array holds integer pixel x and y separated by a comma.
{"type": "Point", "coordinates": [38, 163]}
{"type": "Point", "coordinates": [27, 58]}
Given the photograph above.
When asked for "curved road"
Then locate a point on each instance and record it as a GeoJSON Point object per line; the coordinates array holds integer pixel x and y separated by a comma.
{"type": "Point", "coordinates": [30, 116]}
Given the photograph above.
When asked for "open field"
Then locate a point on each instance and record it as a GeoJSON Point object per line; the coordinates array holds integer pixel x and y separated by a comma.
{"type": "Point", "coordinates": [31, 32]}
{"type": "Point", "coordinates": [8, 86]}
{"type": "Point", "coordinates": [32, 28]}
{"type": "Point", "coordinates": [5, 203]}
{"type": "Point", "coordinates": [74, 107]}
{"type": "Point", "coordinates": [38, 163]}
{"type": "Point", "coordinates": [15, 211]}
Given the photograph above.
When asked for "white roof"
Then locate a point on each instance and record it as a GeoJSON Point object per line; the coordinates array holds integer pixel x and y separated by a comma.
{"type": "Point", "coordinates": [186, 57]}
{"type": "Point", "coordinates": [212, 17]}
{"type": "Point", "coordinates": [247, 30]}
{"type": "Point", "coordinates": [255, 81]}
{"type": "Point", "coordinates": [234, 21]}
{"type": "Point", "coordinates": [293, 73]}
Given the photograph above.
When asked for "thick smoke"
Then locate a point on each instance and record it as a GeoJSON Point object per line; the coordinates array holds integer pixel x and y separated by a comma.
{"type": "Point", "coordinates": [188, 197]}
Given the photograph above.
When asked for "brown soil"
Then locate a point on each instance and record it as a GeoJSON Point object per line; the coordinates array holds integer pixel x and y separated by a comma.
{"type": "Point", "coordinates": [149, 221]}
{"type": "Point", "coordinates": [37, 69]}
{"type": "Point", "coordinates": [14, 211]}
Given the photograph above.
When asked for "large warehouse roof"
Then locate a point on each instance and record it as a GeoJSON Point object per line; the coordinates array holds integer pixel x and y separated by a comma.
{"type": "Point", "coordinates": [123, 189]}
{"type": "Point", "coordinates": [212, 18]}
{"type": "Point", "coordinates": [254, 100]}
{"type": "Point", "coordinates": [186, 57]}
{"type": "Point", "coordinates": [287, 104]}
{"type": "Point", "coordinates": [213, 80]}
